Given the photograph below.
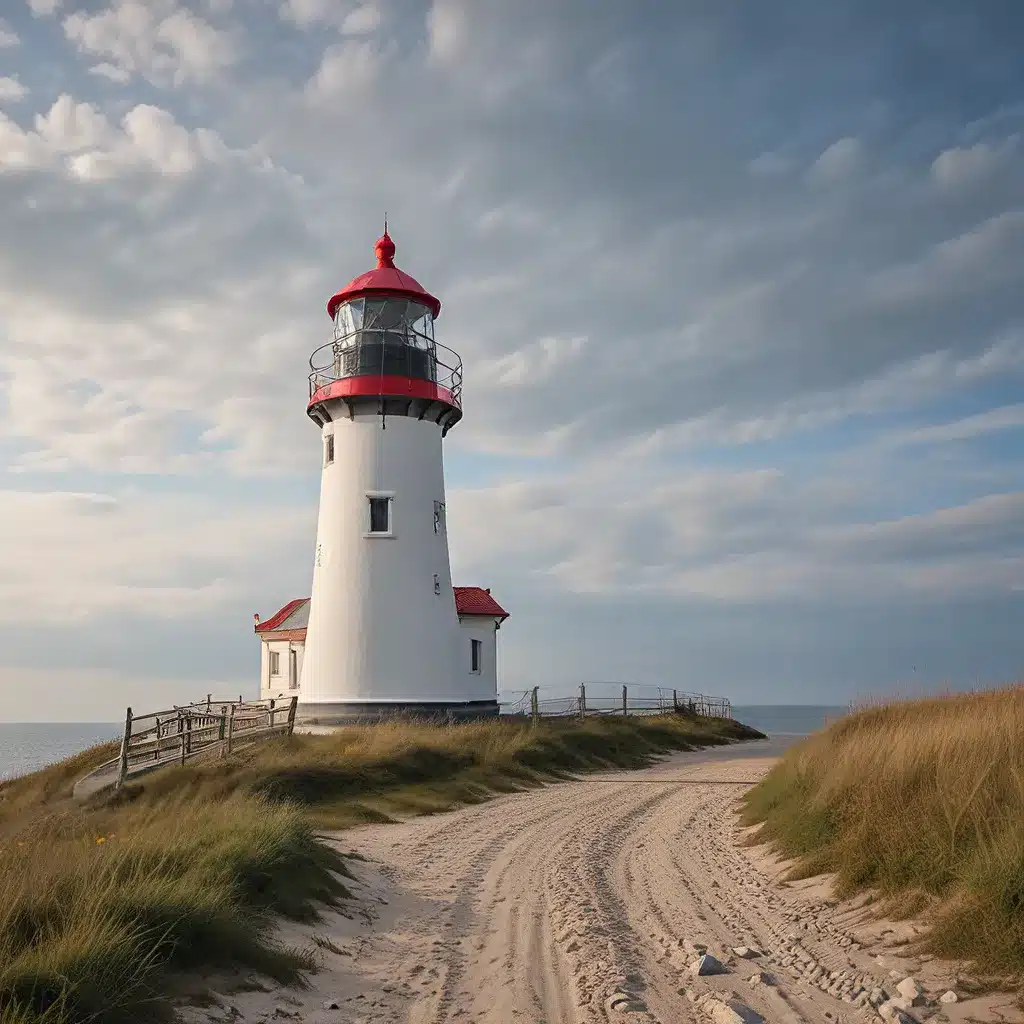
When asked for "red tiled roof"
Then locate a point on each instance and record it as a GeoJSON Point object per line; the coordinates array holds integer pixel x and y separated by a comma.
{"type": "Point", "coordinates": [468, 601]}
{"type": "Point", "coordinates": [477, 601]}
{"type": "Point", "coordinates": [279, 616]}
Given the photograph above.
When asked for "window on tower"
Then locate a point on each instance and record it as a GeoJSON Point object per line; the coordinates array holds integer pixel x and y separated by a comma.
{"type": "Point", "coordinates": [438, 517]}
{"type": "Point", "coordinates": [380, 514]}
{"type": "Point", "coordinates": [475, 649]}
{"type": "Point", "coordinates": [275, 663]}
{"type": "Point", "coordinates": [328, 449]}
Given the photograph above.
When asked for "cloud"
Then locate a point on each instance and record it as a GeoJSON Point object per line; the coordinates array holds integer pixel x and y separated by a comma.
{"type": "Point", "coordinates": [839, 162]}
{"type": "Point", "coordinates": [770, 165]}
{"type": "Point", "coordinates": [111, 72]}
{"type": "Point", "coordinates": [115, 555]}
{"type": "Point", "coordinates": [11, 89]}
{"type": "Point", "coordinates": [1008, 417]}
{"type": "Point", "coordinates": [744, 537]}
{"type": "Point", "coordinates": [44, 8]}
{"type": "Point", "coordinates": [347, 69]}
{"type": "Point", "coordinates": [306, 13]}
{"type": "Point", "coordinates": [79, 138]}
{"type": "Point", "coordinates": [8, 37]}
{"type": "Point", "coordinates": [362, 20]}
{"type": "Point", "coordinates": [960, 167]}
{"type": "Point", "coordinates": [987, 255]}
{"type": "Point", "coordinates": [349, 18]}
{"type": "Point", "coordinates": [165, 44]}
{"type": "Point", "coordinates": [447, 30]}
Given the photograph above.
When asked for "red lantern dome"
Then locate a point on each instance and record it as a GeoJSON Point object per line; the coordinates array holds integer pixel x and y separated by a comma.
{"type": "Point", "coordinates": [385, 279]}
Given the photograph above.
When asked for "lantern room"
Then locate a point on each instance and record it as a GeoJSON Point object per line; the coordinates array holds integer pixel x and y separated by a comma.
{"type": "Point", "coordinates": [384, 347]}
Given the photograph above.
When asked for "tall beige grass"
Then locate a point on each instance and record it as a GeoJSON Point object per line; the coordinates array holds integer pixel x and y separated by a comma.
{"type": "Point", "coordinates": [922, 800]}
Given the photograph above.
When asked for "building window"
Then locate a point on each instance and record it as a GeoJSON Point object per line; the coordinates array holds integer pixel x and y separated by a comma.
{"type": "Point", "coordinates": [380, 514]}
{"type": "Point", "coordinates": [475, 647]}
{"type": "Point", "coordinates": [439, 525]}
{"type": "Point", "coordinates": [275, 663]}
{"type": "Point", "coordinates": [328, 449]}
{"type": "Point", "coordinates": [293, 669]}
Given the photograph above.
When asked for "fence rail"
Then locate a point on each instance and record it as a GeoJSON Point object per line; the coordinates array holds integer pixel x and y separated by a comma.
{"type": "Point", "coordinates": [182, 733]}
{"type": "Point", "coordinates": [615, 699]}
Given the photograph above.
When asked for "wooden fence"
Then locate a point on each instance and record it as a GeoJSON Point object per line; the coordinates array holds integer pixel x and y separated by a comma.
{"type": "Point", "coordinates": [615, 699]}
{"type": "Point", "coordinates": [178, 734]}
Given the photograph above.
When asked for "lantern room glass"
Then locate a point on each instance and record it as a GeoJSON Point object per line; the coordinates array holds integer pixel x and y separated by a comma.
{"type": "Point", "coordinates": [386, 336]}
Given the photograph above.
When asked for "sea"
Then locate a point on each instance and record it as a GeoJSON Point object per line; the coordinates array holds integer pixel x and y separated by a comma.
{"type": "Point", "coordinates": [26, 747]}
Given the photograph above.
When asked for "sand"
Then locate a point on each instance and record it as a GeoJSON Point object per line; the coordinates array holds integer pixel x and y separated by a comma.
{"type": "Point", "coordinates": [572, 903]}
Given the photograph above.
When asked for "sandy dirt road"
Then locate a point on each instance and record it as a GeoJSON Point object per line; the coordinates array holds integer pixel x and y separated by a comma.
{"type": "Point", "coordinates": [572, 903]}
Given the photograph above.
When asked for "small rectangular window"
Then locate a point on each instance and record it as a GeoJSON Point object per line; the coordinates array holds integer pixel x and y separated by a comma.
{"type": "Point", "coordinates": [293, 669]}
{"type": "Point", "coordinates": [380, 515]}
{"type": "Point", "coordinates": [439, 525]}
{"type": "Point", "coordinates": [474, 655]}
{"type": "Point", "coordinates": [328, 449]}
{"type": "Point", "coordinates": [275, 663]}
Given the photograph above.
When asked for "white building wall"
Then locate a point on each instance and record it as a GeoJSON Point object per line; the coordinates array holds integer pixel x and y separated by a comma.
{"type": "Point", "coordinates": [280, 685]}
{"type": "Point", "coordinates": [479, 627]}
{"type": "Point", "coordinates": [382, 624]}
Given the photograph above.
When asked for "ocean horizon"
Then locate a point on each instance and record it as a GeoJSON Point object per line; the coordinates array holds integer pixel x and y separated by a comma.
{"type": "Point", "coordinates": [28, 746]}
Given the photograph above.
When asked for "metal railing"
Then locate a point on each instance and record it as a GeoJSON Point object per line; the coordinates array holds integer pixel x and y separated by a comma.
{"type": "Point", "coordinates": [614, 699]}
{"type": "Point", "coordinates": [181, 733]}
{"type": "Point", "coordinates": [379, 356]}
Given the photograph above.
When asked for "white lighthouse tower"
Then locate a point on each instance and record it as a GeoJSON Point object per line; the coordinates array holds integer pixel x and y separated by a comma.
{"type": "Point", "coordinates": [383, 630]}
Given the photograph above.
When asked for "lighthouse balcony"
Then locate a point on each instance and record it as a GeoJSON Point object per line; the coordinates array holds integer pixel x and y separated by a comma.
{"type": "Point", "coordinates": [387, 366]}
{"type": "Point", "coordinates": [421, 379]}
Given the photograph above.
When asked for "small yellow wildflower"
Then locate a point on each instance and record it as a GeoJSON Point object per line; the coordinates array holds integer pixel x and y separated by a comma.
{"type": "Point", "coordinates": [100, 839]}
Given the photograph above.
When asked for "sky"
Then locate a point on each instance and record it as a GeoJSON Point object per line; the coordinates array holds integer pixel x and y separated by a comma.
{"type": "Point", "coordinates": [738, 288]}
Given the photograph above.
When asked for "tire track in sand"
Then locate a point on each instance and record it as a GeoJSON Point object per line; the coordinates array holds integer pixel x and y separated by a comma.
{"type": "Point", "coordinates": [548, 906]}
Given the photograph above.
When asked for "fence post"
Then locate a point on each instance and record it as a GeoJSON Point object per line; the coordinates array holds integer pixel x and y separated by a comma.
{"type": "Point", "coordinates": [231, 726]}
{"type": "Point", "coordinates": [535, 705]}
{"type": "Point", "coordinates": [583, 700]}
{"type": "Point", "coordinates": [270, 714]}
{"type": "Point", "coordinates": [156, 753]}
{"type": "Point", "coordinates": [188, 734]}
{"type": "Point", "coordinates": [625, 701]}
{"type": "Point", "coordinates": [291, 714]}
{"type": "Point", "coordinates": [181, 738]}
{"type": "Point", "coordinates": [223, 721]}
{"type": "Point", "coordinates": [675, 700]}
{"type": "Point", "coordinates": [122, 767]}
{"type": "Point", "coordinates": [208, 696]}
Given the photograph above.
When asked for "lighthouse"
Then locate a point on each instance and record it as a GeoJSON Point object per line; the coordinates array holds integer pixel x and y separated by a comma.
{"type": "Point", "coordinates": [384, 633]}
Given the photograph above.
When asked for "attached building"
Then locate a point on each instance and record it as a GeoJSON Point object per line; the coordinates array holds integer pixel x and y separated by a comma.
{"type": "Point", "coordinates": [283, 643]}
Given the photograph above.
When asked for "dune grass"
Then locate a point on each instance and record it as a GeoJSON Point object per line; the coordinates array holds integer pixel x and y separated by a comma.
{"type": "Point", "coordinates": [394, 769]}
{"type": "Point", "coordinates": [185, 867]}
{"type": "Point", "coordinates": [923, 802]}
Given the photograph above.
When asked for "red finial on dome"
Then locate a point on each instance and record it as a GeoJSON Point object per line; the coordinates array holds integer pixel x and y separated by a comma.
{"type": "Point", "coordinates": [384, 279]}
{"type": "Point", "coordinates": [385, 249]}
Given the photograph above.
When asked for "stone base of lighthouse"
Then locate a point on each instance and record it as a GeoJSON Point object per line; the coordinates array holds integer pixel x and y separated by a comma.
{"type": "Point", "coordinates": [322, 717]}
